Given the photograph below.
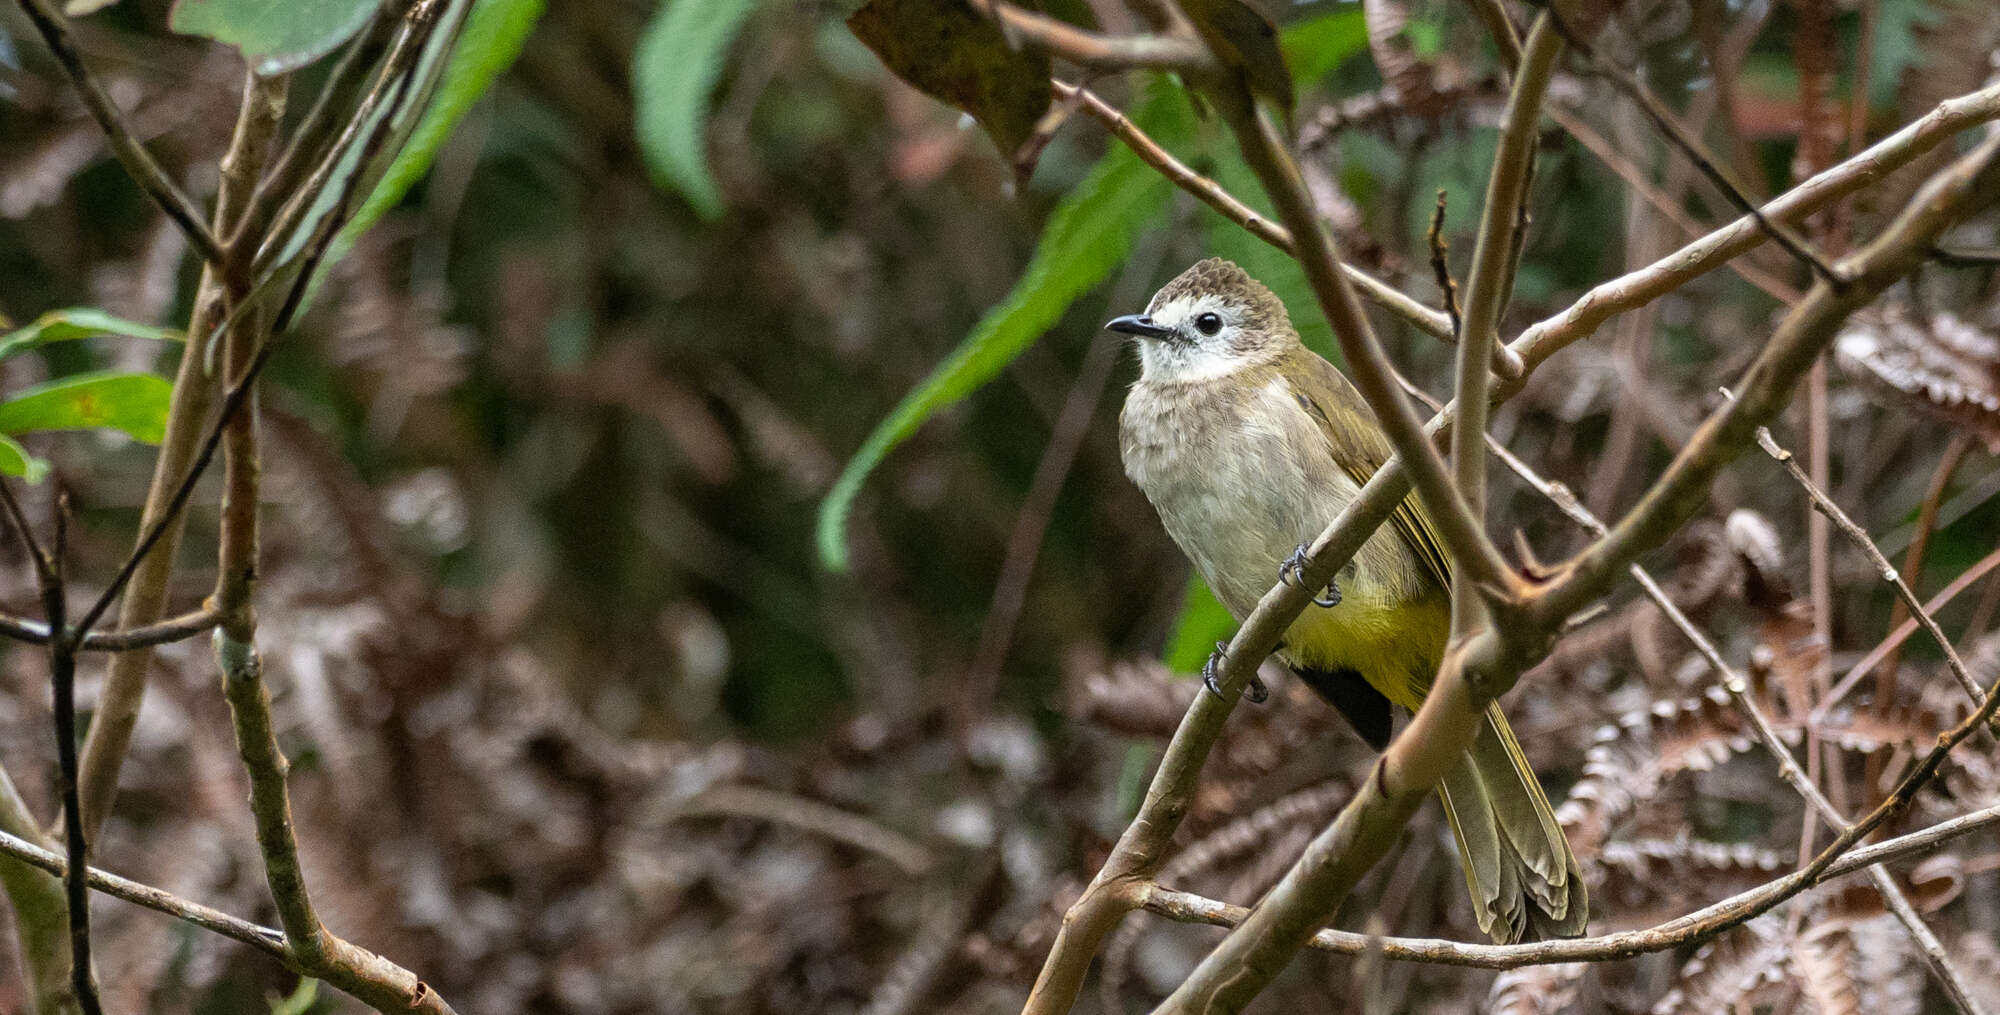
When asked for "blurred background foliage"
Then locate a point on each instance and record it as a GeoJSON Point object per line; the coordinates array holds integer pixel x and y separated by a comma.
{"type": "Point", "coordinates": [696, 300]}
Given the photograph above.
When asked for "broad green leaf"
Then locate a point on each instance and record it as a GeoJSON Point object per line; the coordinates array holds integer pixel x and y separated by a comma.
{"type": "Point", "coordinates": [133, 403]}
{"type": "Point", "coordinates": [1203, 622]}
{"type": "Point", "coordinates": [674, 70]}
{"type": "Point", "coordinates": [1088, 234]}
{"type": "Point", "coordinates": [275, 35]}
{"type": "Point", "coordinates": [955, 54]}
{"type": "Point", "coordinates": [494, 33]}
{"type": "Point", "coordinates": [16, 461]}
{"type": "Point", "coordinates": [79, 322]}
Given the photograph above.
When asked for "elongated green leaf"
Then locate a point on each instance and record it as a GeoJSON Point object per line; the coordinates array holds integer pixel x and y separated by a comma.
{"type": "Point", "coordinates": [1089, 233]}
{"type": "Point", "coordinates": [674, 69]}
{"type": "Point", "coordinates": [16, 461]}
{"type": "Point", "coordinates": [135, 404]}
{"type": "Point", "coordinates": [79, 322]}
{"type": "Point", "coordinates": [275, 35]}
{"type": "Point", "coordinates": [490, 42]}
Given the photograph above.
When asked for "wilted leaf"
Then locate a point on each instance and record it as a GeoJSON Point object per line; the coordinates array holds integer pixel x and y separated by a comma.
{"type": "Point", "coordinates": [1242, 37]}
{"type": "Point", "coordinates": [674, 69]}
{"type": "Point", "coordinates": [75, 323]}
{"type": "Point", "coordinates": [1733, 972]}
{"type": "Point", "coordinates": [950, 52]}
{"type": "Point", "coordinates": [275, 35]}
{"type": "Point", "coordinates": [1943, 367]}
{"type": "Point", "coordinates": [135, 404]}
{"type": "Point", "coordinates": [1088, 234]}
{"type": "Point", "coordinates": [16, 461]}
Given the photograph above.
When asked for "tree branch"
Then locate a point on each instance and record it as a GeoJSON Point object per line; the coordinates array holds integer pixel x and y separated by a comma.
{"type": "Point", "coordinates": [1637, 288]}
{"type": "Point", "coordinates": [1099, 52]}
{"type": "Point", "coordinates": [180, 628]}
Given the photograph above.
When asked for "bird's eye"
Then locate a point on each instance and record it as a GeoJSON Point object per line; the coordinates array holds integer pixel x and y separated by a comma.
{"type": "Point", "coordinates": [1208, 323]}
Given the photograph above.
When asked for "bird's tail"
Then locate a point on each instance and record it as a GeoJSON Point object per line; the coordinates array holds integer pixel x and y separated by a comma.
{"type": "Point", "coordinates": [1525, 882]}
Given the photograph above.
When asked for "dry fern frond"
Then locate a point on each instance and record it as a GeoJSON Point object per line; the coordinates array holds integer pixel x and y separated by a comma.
{"type": "Point", "coordinates": [1739, 968]}
{"type": "Point", "coordinates": [1943, 367]}
{"type": "Point", "coordinates": [1537, 990]}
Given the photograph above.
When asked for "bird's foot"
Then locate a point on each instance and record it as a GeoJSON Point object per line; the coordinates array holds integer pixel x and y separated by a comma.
{"type": "Point", "coordinates": [1211, 672]}
{"type": "Point", "coordinates": [1293, 569]}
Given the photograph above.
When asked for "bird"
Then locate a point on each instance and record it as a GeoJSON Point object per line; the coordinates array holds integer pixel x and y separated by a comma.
{"type": "Point", "coordinates": [1248, 444]}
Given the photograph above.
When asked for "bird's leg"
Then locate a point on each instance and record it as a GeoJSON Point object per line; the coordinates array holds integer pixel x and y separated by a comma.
{"type": "Point", "coordinates": [1210, 672]}
{"type": "Point", "coordinates": [1293, 570]}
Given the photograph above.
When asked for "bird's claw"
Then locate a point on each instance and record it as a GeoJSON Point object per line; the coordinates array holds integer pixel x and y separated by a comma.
{"type": "Point", "coordinates": [1293, 569]}
{"type": "Point", "coordinates": [1330, 598]}
{"type": "Point", "coordinates": [1254, 690]}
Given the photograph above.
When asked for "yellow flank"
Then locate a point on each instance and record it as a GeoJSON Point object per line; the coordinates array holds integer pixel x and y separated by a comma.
{"type": "Point", "coordinates": [1394, 645]}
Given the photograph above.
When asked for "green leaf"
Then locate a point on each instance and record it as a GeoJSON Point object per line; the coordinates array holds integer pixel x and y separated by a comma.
{"type": "Point", "coordinates": [957, 55]}
{"type": "Point", "coordinates": [1317, 46]}
{"type": "Point", "coordinates": [16, 461]}
{"type": "Point", "coordinates": [1088, 234]}
{"type": "Point", "coordinates": [1203, 622]}
{"type": "Point", "coordinates": [79, 322]}
{"type": "Point", "coordinates": [494, 32]}
{"type": "Point", "coordinates": [133, 403]}
{"type": "Point", "coordinates": [275, 35]}
{"type": "Point", "coordinates": [674, 70]}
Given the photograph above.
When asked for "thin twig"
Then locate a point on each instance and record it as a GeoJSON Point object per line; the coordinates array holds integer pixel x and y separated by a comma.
{"type": "Point", "coordinates": [131, 154]}
{"type": "Point", "coordinates": [1902, 633]}
{"type": "Point", "coordinates": [1211, 193]}
{"type": "Point", "coordinates": [1668, 274]}
{"type": "Point", "coordinates": [264, 939]}
{"type": "Point", "coordinates": [1913, 557]}
{"type": "Point", "coordinates": [911, 856]}
{"type": "Point", "coordinates": [1680, 932]}
{"type": "Point", "coordinates": [1622, 167]}
{"type": "Point", "coordinates": [1669, 125]}
{"type": "Point", "coordinates": [1883, 568]}
{"type": "Point", "coordinates": [1441, 267]}
{"type": "Point", "coordinates": [1099, 52]}
{"type": "Point", "coordinates": [62, 690]}
{"type": "Point", "coordinates": [180, 628]}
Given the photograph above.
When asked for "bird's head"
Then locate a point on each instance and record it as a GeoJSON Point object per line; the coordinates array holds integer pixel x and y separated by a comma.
{"type": "Point", "coordinates": [1210, 321]}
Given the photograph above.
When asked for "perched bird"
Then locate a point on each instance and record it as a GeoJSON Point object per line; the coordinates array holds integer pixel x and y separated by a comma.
{"type": "Point", "coordinates": [1248, 444]}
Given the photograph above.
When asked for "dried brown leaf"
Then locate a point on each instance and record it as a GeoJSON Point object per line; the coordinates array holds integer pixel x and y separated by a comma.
{"type": "Point", "coordinates": [951, 53]}
{"type": "Point", "coordinates": [1943, 366]}
{"type": "Point", "coordinates": [1736, 969]}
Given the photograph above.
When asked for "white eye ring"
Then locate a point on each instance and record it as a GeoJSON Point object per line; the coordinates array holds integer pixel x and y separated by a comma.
{"type": "Point", "coordinates": [1208, 323]}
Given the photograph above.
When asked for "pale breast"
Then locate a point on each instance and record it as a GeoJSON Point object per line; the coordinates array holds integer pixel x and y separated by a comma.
{"type": "Point", "coordinates": [1241, 475]}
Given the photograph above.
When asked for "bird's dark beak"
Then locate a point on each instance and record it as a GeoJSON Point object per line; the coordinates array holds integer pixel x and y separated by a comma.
{"type": "Point", "coordinates": [1140, 325]}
